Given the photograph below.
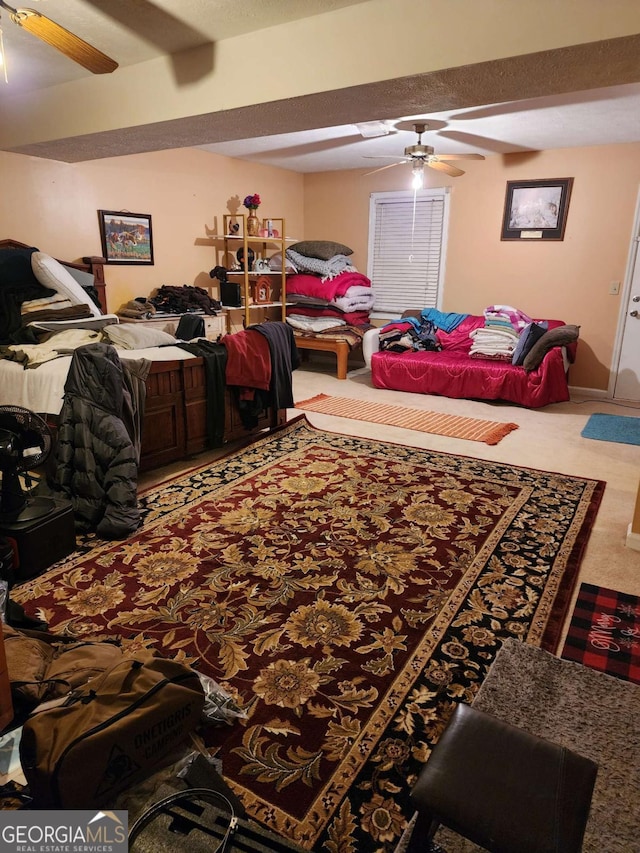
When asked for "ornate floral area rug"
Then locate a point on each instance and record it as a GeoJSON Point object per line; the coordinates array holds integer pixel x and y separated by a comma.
{"type": "Point", "coordinates": [348, 592]}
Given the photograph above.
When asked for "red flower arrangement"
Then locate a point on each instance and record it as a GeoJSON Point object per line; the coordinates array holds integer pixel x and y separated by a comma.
{"type": "Point", "coordinates": [252, 202]}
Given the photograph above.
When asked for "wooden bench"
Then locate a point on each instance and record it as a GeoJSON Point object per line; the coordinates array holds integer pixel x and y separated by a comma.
{"type": "Point", "coordinates": [340, 348]}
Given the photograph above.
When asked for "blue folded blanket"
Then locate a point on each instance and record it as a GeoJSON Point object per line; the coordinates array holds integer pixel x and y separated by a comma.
{"type": "Point", "coordinates": [447, 321]}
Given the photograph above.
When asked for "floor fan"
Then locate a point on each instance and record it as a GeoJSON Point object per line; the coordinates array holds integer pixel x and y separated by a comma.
{"type": "Point", "coordinates": [25, 444]}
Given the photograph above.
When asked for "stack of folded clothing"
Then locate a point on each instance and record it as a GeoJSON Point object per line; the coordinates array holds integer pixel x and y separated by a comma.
{"type": "Point", "coordinates": [499, 337]}
{"type": "Point", "coordinates": [54, 307]}
{"type": "Point", "coordinates": [506, 317]}
{"type": "Point", "coordinates": [493, 343]}
{"type": "Point", "coordinates": [326, 284]}
{"type": "Point", "coordinates": [137, 309]}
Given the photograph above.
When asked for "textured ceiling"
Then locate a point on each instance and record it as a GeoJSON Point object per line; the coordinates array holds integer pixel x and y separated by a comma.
{"type": "Point", "coordinates": [595, 117]}
{"type": "Point", "coordinates": [573, 96]}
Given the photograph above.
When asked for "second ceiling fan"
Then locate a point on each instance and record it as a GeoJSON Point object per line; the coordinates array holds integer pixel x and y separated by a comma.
{"type": "Point", "coordinates": [420, 155]}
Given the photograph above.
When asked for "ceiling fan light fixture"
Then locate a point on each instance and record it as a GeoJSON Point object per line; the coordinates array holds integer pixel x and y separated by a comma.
{"type": "Point", "coordinates": [417, 181]}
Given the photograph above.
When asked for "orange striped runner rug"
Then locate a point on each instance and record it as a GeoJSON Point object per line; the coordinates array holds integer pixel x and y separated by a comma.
{"type": "Point", "coordinates": [453, 426]}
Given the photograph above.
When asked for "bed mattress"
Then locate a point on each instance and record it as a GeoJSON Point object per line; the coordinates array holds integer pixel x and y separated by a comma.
{"type": "Point", "coordinates": [41, 389]}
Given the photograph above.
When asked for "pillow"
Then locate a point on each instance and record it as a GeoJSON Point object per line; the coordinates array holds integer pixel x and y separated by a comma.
{"type": "Point", "coordinates": [51, 273]}
{"type": "Point", "coordinates": [323, 249]}
{"type": "Point", "coordinates": [84, 279]}
{"type": "Point", "coordinates": [137, 336]}
{"type": "Point", "coordinates": [558, 337]}
{"type": "Point", "coordinates": [531, 333]}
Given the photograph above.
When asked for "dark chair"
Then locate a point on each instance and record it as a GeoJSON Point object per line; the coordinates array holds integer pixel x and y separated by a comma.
{"type": "Point", "coordinates": [502, 788]}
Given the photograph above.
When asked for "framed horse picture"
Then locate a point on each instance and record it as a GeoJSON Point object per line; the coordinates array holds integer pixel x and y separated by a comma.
{"type": "Point", "coordinates": [126, 237]}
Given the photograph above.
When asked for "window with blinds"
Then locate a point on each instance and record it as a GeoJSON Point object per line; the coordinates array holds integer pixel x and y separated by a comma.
{"type": "Point", "coordinates": [407, 249]}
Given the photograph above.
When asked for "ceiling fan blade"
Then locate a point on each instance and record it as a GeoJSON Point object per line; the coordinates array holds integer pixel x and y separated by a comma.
{"type": "Point", "coordinates": [495, 146]}
{"type": "Point", "coordinates": [453, 171]}
{"type": "Point", "coordinates": [461, 157]}
{"type": "Point", "coordinates": [382, 168]}
{"type": "Point", "coordinates": [66, 42]}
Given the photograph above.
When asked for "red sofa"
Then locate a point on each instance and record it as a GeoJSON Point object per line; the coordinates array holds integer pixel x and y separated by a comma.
{"type": "Point", "coordinates": [453, 372]}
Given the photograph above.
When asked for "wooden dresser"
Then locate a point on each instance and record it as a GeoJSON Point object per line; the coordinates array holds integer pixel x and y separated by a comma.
{"type": "Point", "coordinates": [214, 325]}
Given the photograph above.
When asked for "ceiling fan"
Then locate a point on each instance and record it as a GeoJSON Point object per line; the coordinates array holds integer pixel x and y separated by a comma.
{"type": "Point", "coordinates": [420, 155]}
{"type": "Point", "coordinates": [62, 39]}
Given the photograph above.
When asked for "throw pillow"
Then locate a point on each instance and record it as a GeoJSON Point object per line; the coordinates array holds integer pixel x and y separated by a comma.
{"type": "Point", "coordinates": [323, 249]}
{"type": "Point", "coordinates": [137, 336]}
{"type": "Point", "coordinates": [558, 337]}
{"type": "Point", "coordinates": [531, 333]}
{"type": "Point", "coordinates": [51, 273]}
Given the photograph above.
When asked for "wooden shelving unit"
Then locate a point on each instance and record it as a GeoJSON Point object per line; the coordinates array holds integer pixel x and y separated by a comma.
{"type": "Point", "coordinates": [264, 247]}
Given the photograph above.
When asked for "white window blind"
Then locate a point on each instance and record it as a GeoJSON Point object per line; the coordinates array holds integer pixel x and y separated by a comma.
{"type": "Point", "coordinates": [407, 247]}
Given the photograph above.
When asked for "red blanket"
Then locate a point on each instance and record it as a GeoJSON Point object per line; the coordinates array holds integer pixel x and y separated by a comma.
{"type": "Point", "coordinates": [248, 360]}
{"type": "Point", "coordinates": [312, 285]}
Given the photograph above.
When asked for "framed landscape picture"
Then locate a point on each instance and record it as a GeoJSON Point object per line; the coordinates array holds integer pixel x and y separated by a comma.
{"type": "Point", "coordinates": [536, 210]}
{"type": "Point", "coordinates": [126, 237]}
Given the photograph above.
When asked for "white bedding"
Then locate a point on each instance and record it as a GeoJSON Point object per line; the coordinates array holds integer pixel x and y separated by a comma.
{"type": "Point", "coordinates": [41, 389]}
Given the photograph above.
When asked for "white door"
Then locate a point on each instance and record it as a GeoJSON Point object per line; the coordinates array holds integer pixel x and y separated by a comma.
{"type": "Point", "coordinates": [627, 383]}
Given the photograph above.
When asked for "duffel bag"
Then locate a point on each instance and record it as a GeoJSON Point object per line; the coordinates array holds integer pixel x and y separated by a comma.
{"type": "Point", "coordinates": [44, 666]}
{"type": "Point", "coordinates": [80, 751]}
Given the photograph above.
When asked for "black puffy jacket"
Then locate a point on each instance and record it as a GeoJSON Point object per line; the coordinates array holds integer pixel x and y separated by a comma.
{"type": "Point", "coordinates": [95, 462]}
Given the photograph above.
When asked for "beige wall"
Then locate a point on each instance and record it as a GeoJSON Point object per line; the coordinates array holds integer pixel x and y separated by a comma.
{"type": "Point", "coordinates": [566, 280]}
{"type": "Point", "coordinates": [54, 206]}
